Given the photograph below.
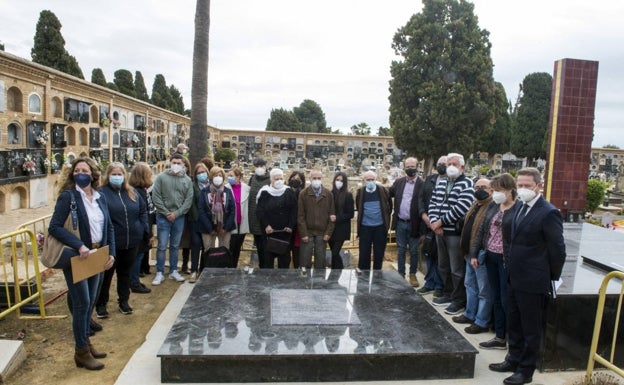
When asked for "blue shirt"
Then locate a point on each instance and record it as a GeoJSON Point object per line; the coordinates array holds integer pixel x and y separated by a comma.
{"type": "Point", "coordinates": [372, 209]}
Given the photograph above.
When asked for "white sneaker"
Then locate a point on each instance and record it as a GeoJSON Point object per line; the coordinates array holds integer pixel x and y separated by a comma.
{"type": "Point", "coordinates": [160, 277]}
{"type": "Point", "coordinates": [176, 276]}
{"type": "Point", "coordinates": [193, 278]}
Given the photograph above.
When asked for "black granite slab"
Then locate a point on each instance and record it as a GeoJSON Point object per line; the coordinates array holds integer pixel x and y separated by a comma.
{"type": "Point", "coordinates": [224, 332]}
{"type": "Point", "coordinates": [570, 317]}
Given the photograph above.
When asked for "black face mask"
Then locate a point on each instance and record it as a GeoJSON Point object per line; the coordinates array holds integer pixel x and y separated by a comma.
{"type": "Point", "coordinates": [294, 183]}
{"type": "Point", "coordinates": [411, 172]}
{"type": "Point", "coordinates": [481, 194]}
{"type": "Point", "coordinates": [441, 169]}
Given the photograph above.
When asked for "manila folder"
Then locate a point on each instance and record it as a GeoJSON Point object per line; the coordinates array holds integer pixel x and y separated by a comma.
{"type": "Point", "coordinates": [90, 266]}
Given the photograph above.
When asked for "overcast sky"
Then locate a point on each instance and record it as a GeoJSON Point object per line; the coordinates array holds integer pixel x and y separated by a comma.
{"type": "Point", "coordinates": [276, 53]}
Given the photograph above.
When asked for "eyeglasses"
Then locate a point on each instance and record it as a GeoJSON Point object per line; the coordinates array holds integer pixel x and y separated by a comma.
{"type": "Point", "coordinates": [481, 187]}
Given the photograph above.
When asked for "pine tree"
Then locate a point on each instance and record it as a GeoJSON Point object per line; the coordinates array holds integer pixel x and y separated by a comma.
{"type": "Point", "coordinates": [97, 77]}
{"type": "Point", "coordinates": [49, 46]}
{"type": "Point", "coordinates": [139, 87]}
{"type": "Point", "coordinates": [124, 82]}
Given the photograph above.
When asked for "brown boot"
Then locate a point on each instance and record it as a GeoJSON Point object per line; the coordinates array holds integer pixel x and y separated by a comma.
{"type": "Point", "coordinates": [413, 280]}
{"type": "Point", "coordinates": [94, 352]}
{"type": "Point", "coordinates": [84, 359]}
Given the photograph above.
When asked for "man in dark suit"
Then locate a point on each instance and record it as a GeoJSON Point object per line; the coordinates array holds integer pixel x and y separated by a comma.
{"type": "Point", "coordinates": [536, 258]}
{"type": "Point", "coordinates": [405, 219]}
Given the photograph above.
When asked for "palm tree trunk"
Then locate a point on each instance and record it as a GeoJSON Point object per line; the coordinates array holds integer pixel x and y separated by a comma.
{"type": "Point", "coordinates": [199, 89]}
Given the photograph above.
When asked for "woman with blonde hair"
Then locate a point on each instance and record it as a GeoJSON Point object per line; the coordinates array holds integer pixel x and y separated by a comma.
{"type": "Point", "coordinates": [216, 211]}
{"type": "Point", "coordinates": [78, 196]}
{"type": "Point", "coordinates": [128, 213]}
{"type": "Point", "coordinates": [141, 179]}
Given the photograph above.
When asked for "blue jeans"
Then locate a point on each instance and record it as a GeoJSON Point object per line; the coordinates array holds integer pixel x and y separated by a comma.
{"type": "Point", "coordinates": [478, 300]}
{"type": "Point", "coordinates": [430, 252]}
{"type": "Point", "coordinates": [497, 275]}
{"type": "Point", "coordinates": [168, 233]}
{"type": "Point", "coordinates": [377, 237]}
{"type": "Point", "coordinates": [403, 238]}
{"type": "Point", "coordinates": [83, 296]}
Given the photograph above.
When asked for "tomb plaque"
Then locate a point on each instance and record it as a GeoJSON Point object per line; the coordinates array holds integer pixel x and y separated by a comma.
{"type": "Point", "coordinates": [311, 307]}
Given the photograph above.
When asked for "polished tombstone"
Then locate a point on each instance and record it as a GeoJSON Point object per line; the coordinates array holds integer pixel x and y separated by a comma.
{"type": "Point", "coordinates": [570, 317]}
{"type": "Point", "coordinates": [284, 325]}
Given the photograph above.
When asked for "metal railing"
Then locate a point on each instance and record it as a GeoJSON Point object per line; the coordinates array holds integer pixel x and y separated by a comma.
{"type": "Point", "coordinates": [22, 243]}
{"type": "Point", "coordinates": [593, 355]}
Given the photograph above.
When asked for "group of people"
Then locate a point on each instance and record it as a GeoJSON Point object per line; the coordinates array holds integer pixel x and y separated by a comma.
{"type": "Point", "coordinates": [492, 247]}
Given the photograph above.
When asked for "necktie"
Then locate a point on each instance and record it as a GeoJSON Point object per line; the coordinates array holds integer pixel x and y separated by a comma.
{"type": "Point", "coordinates": [523, 212]}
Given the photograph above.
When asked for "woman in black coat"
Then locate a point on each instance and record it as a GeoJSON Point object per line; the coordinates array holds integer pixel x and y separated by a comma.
{"type": "Point", "coordinates": [343, 199]}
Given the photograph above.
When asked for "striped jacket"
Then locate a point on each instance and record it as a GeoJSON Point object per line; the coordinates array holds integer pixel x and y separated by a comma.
{"type": "Point", "coordinates": [452, 207]}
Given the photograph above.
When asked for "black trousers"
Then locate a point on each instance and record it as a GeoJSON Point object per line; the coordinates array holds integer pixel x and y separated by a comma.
{"type": "Point", "coordinates": [260, 241]}
{"type": "Point", "coordinates": [525, 320]}
{"type": "Point", "coordinates": [124, 260]}
{"type": "Point", "coordinates": [236, 243]}
{"type": "Point", "coordinates": [335, 246]}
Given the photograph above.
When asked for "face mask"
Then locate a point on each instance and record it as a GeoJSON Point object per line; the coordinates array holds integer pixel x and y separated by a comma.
{"type": "Point", "coordinates": [217, 180]}
{"type": "Point", "coordinates": [176, 168]}
{"type": "Point", "coordinates": [202, 177]}
{"type": "Point", "coordinates": [452, 172]}
{"type": "Point", "coordinates": [294, 183]}
{"type": "Point", "coordinates": [316, 183]}
{"type": "Point", "coordinates": [260, 171]}
{"type": "Point", "coordinates": [82, 180]}
{"type": "Point", "coordinates": [278, 184]}
{"type": "Point", "coordinates": [116, 180]}
{"type": "Point", "coordinates": [411, 172]}
{"type": "Point", "coordinates": [526, 194]}
{"type": "Point", "coordinates": [481, 195]}
{"type": "Point", "coordinates": [370, 186]}
{"type": "Point", "coordinates": [231, 180]}
{"type": "Point", "coordinates": [499, 197]}
{"type": "Point", "coordinates": [338, 184]}
{"type": "Point", "coordinates": [441, 169]}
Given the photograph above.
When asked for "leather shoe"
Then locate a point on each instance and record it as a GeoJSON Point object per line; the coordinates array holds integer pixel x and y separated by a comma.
{"type": "Point", "coordinates": [502, 367]}
{"type": "Point", "coordinates": [517, 379]}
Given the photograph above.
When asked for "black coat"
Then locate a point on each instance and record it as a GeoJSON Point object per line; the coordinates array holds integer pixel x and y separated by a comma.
{"type": "Point", "coordinates": [277, 211]}
{"type": "Point", "coordinates": [342, 228]}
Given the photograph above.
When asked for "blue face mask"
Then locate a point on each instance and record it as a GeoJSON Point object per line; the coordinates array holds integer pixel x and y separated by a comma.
{"type": "Point", "coordinates": [370, 186]}
{"type": "Point", "coordinates": [116, 180]}
{"type": "Point", "coordinates": [82, 180]}
{"type": "Point", "coordinates": [231, 180]}
{"type": "Point", "coordinates": [202, 177]}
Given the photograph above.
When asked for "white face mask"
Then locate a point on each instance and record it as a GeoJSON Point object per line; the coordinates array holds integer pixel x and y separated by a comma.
{"type": "Point", "coordinates": [498, 197]}
{"type": "Point", "coordinates": [260, 171]}
{"type": "Point", "coordinates": [526, 194]}
{"type": "Point", "coordinates": [217, 180]}
{"type": "Point", "coordinates": [338, 185]}
{"type": "Point", "coordinates": [452, 172]}
{"type": "Point", "coordinates": [316, 183]}
{"type": "Point", "coordinates": [278, 184]}
{"type": "Point", "coordinates": [176, 168]}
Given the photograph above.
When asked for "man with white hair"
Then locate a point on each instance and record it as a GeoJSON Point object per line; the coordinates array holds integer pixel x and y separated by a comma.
{"type": "Point", "coordinates": [374, 206]}
{"type": "Point", "coordinates": [315, 221]}
{"type": "Point", "coordinates": [449, 204]}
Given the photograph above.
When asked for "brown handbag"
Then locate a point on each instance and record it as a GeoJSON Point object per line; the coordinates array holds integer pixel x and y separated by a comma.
{"type": "Point", "coordinates": [56, 254]}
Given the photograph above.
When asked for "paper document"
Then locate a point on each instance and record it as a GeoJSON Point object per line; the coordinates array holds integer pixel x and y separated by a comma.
{"type": "Point", "coordinates": [90, 266]}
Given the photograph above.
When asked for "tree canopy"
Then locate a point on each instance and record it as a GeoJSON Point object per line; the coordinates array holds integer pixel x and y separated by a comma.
{"type": "Point", "coordinates": [283, 120]}
{"type": "Point", "coordinates": [307, 117]}
{"type": "Point", "coordinates": [384, 131]}
{"type": "Point", "coordinates": [124, 82]}
{"type": "Point", "coordinates": [595, 194]}
{"type": "Point", "coordinates": [498, 139]}
{"type": "Point", "coordinates": [530, 134]}
{"type": "Point", "coordinates": [360, 129]}
{"type": "Point", "coordinates": [442, 93]}
{"type": "Point", "coordinates": [97, 77]}
{"type": "Point", "coordinates": [139, 87]}
{"type": "Point", "coordinates": [49, 46]}
{"type": "Point", "coordinates": [311, 116]}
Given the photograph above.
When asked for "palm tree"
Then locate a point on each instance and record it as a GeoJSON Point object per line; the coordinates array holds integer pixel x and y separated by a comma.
{"type": "Point", "coordinates": [199, 89]}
